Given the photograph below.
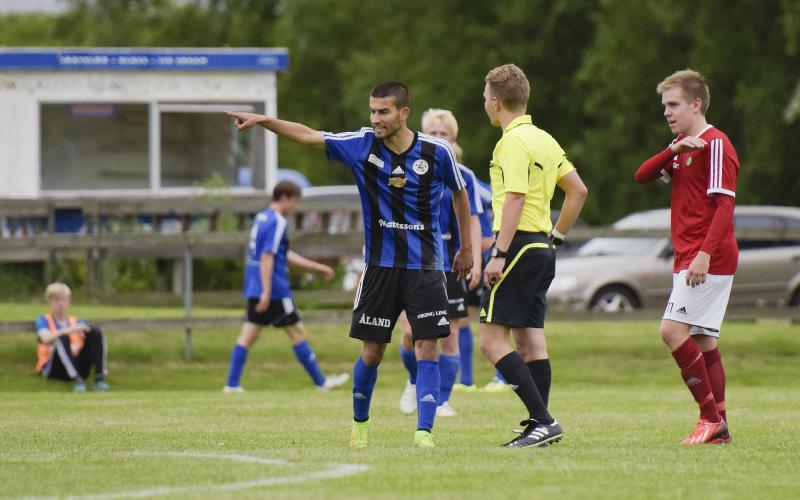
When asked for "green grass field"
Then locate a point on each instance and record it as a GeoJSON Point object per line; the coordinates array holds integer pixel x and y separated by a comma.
{"type": "Point", "coordinates": [167, 431]}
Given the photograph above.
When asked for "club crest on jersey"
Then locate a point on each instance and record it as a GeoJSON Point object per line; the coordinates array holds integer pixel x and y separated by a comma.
{"type": "Point", "coordinates": [420, 167]}
{"type": "Point", "coordinates": [375, 161]}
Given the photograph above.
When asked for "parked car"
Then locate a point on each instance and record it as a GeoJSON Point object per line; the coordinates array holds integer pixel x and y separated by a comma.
{"type": "Point", "coordinates": [620, 273]}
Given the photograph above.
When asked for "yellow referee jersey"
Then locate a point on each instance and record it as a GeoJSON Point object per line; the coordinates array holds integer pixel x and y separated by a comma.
{"type": "Point", "coordinates": [527, 160]}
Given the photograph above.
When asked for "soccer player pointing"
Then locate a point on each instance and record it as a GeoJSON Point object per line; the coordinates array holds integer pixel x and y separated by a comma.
{"type": "Point", "coordinates": [527, 164]}
{"type": "Point", "coordinates": [703, 167]}
{"type": "Point", "coordinates": [400, 175]}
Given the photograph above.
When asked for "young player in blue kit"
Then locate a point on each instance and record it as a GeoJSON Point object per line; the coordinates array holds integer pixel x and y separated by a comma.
{"type": "Point", "coordinates": [400, 176]}
{"type": "Point", "coordinates": [442, 124]}
{"type": "Point", "coordinates": [266, 286]}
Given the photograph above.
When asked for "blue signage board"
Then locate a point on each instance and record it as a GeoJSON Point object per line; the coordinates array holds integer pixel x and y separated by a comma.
{"type": "Point", "coordinates": [121, 59]}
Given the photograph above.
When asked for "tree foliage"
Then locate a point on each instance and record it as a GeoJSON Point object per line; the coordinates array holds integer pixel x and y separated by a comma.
{"type": "Point", "coordinates": [593, 67]}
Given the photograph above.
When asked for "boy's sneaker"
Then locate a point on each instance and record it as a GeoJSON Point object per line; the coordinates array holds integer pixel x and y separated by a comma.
{"type": "Point", "coordinates": [101, 386]}
{"type": "Point", "coordinates": [408, 401]}
{"type": "Point", "coordinates": [445, 410]}
{"type": "Point", "coordinates": [79, 386]}
{"type": "Point", "coordinates": [464, 388]}
{"type": "Point", "coordinates": [536, 435]}
{"type": "Point", "coordinates": [423, 439]}
{"type": "Point", "coordinates": [359, 436]}
{"type": "Point", "coordinates": [233, 390]}
{"type": "Point", "coordinates": [496, 385]}
{"type": "Point", "coordinates": [708, 433]}
{"type": "Point", "coordinates": [334, 381]}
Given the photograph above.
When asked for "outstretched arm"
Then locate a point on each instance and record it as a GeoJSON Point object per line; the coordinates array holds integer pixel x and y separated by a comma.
{"type": "Point", "coordinates": [296, 132]}
{"type": "Point", "coordinates": [295, 259]}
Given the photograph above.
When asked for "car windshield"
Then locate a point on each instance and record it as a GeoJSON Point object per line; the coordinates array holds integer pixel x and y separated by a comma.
{"type": "Point", "coordinates": [617, 246]}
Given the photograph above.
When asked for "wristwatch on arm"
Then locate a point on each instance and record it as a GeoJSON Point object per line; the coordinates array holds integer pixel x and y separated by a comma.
{"type": "Point", "coordinates": [497, 253]}
{"type": "Point", "coordinates": [556, 237]}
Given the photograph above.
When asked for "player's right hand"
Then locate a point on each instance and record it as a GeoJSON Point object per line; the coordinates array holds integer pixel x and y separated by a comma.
{"type": "Point", "coordinates": [688, 143]}
{"type": "Point", "coordinates": [244, 121]}
{"type": "Point", "coordinates": [263, 304]}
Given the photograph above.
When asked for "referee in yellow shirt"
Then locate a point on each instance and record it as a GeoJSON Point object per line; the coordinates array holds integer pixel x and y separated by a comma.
{"type": "Point", "coordinates": [527, 165]}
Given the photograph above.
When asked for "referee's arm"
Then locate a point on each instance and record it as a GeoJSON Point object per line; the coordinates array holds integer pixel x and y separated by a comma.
{"type": "Point", "coordinates": [575, 196]}
{"type": "Point", "coordinates": [293, 131]}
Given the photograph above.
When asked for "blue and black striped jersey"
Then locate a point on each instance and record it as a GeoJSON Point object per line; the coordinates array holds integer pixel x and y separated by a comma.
{"type": "Point", "coordinates": [451, 239]}
{"type": "Point", "coordinates": [400, 195]}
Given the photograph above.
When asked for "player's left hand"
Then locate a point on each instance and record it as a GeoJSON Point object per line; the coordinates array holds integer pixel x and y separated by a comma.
{"type": "Point", "coordinates": [327, 272]}
{"type": "Point", "coordinates": [263, 304]}
{"type": "Point", "coordinates": [462, 263]}
{"type": "Point", "coordinates": [474, 278]}
{"type": "Point", "coordinates": [698, 269]}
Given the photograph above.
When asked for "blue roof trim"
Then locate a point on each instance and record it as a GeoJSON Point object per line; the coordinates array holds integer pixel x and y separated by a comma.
{"type": "Point", "coordinates": [144, 59]}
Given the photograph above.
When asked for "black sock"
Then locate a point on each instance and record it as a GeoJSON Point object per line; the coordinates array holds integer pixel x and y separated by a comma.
{"type": "Point", "coordinates": [517, 374]}
{"type": "Point", "coordinates": [541, 373]}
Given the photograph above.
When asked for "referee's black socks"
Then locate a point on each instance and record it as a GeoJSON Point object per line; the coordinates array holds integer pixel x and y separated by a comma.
{"type": "Point", "coordinates": [518, 375]}
{"type": "Point", "coordinates": [541, 373]}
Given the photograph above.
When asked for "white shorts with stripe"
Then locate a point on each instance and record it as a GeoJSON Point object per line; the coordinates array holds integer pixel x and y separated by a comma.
{"type": "Point", "coordinates": [702, 307]}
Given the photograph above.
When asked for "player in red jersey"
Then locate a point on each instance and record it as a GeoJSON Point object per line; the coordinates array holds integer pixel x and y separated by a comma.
{"type": "Point", "coordinates": [702, 165]}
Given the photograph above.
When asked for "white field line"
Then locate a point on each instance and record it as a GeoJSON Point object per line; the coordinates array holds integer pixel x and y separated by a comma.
{"type": "Point", "coordinates": [332, 471]}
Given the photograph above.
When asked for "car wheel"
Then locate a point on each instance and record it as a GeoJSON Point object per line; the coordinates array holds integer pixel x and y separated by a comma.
{"type": "Point", "coordinates": [614, 299]}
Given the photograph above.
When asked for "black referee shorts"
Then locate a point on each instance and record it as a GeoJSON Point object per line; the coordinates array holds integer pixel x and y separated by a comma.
{"type": "Point", "coordinates": [518, 299]}
{"type": "Point", "coordinates": [385, 291]}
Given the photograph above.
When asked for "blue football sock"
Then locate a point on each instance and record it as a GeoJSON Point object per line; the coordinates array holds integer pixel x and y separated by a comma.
{"type": "Point", "coordinates": [364, 378]}
{"type": "Point", "coordinates": [410, 362]}
{"type": "Point", "coordinates": [500, 376]}
{"type": "Point", "coordinates": [305, 355]}
{"type": "Point", "coordinates": [465, 342]}
{"type": "Point", "coordinates": [428, 383]}
{"type": "Point", "coordinates": [238, 359]}
{"type": "Point", "coordinates": [448, 369]}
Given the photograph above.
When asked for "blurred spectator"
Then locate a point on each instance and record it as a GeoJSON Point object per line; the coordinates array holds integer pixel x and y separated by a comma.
{"type": "Point", "coordinates": [69, 348]}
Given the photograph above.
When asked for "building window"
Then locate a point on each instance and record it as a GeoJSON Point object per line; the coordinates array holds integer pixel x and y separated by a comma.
{"type": "Point", "coordinates": [94, 146]}
{"type": "Point", "coordinates": [199, 144]}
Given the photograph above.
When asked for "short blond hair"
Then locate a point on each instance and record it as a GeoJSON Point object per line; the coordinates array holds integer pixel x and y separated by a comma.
{"type": "Point", "coordinates": [57, 289]}
{"type": "Point", "coordinates": [446, 117]}
{"type": "Point", "coordinates": [692, 84]}
{"type": "Point", "coordinates": [510, 85]}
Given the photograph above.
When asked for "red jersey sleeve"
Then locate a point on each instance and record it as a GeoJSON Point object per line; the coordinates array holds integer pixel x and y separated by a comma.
{"type": "Point", "coordinates": [723, 167]}
{"type": "Point", "coordinates": [654, 167]}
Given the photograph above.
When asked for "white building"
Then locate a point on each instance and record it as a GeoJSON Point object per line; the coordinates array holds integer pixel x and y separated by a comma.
{"type": "Point", "coordinates": [116, 122]}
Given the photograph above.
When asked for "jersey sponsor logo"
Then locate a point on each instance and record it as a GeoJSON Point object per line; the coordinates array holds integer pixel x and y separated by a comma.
{"type": "Point", "coordinates": [401, 225]}
{"type": "Point", "coordinates": [682, 310]}
{"type": "Point", "coordinates": [358, 395]}
{"type": "Point", "coordinates": [442, 322]}
{"type": "Point", "coordinates": [513, 386]}
{"type": "Point", "coordinates": [375, 161]}
{"type": "Point", "coordinates": [420, 167]}
{"type": "Point", "coordinates": [431, 313]}
{"type": "Point", "coordinates": [460, 306]}
{"type": "Point", "coordinates": [374, 321]}
{"type": "Point", "coordinates": [483, 313]}
{"type": "Point", "coordinates": [446, 237]}
{"type": "Point", "coordinates": [688, 161]}
{"type": "Point", "coordinates": [398, 170]}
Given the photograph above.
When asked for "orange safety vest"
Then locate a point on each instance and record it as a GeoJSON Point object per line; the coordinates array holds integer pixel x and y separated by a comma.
{"type": "Point", "coordinates": [44, 351]}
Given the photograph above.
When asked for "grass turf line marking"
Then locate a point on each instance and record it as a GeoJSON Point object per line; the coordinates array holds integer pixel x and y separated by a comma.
{"type": "Point", "coordinates": [334, 471]}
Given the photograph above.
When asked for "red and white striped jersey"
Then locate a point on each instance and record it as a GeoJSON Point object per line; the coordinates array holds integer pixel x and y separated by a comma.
{"type": "Point", "coordinates": [697, 176]}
